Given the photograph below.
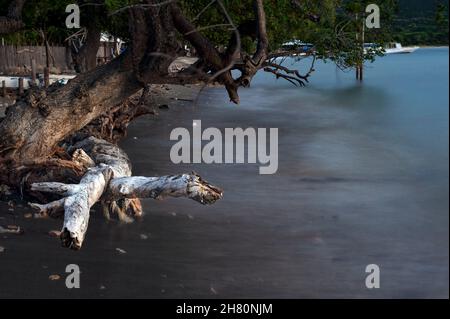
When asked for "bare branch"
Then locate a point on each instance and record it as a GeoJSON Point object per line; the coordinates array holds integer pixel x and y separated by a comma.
{"type": "Point", "coordinates": [289, 78]}
{"type": "Point", "coordinates": [297, 77]}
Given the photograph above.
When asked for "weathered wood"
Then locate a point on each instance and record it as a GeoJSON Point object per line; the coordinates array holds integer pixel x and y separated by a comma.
{"type": "Point", "coordinates": [86, 57]}
{"type": "Point", "coordinates": [16, 59]}
{"type": "Point", "coordinates": [110, 182]}
{"type": "Point", "coordinates": [184, 185]}
{"type": "Point", "coordinates": [33, 127]}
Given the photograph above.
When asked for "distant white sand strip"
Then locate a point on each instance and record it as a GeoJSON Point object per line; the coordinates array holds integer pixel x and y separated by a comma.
{"type": "Point", "coordinates": [13, 81]}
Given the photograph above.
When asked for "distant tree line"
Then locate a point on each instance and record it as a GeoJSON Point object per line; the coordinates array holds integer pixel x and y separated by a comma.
{"type": "Point", "coordinates": [421, 22]}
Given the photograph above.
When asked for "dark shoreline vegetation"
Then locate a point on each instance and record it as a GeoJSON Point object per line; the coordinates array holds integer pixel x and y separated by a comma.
{"type": "Point", "coordinates": [413, 22]}
{"type": "Point", "coordinates": [422, 23]}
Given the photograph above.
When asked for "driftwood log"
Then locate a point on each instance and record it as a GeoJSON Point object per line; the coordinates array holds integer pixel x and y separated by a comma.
{"type": "Point", "coordinates": [109, 180]}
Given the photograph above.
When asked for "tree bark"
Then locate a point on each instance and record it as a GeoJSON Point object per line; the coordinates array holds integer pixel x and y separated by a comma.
{"type": "Point", "coordinates": [33, 126]}
{"type": "Point", "coordinates": [86, 58]}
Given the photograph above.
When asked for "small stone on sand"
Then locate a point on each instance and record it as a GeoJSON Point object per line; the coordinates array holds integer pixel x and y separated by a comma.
{"type": "Point", "coordinates": [54, 277]}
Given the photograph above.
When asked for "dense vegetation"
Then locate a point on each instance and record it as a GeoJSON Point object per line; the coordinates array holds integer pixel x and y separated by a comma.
{"type": "Point", "coordinates": [422, 22]}
{"type": "Point", "coordinates": [414, 21]}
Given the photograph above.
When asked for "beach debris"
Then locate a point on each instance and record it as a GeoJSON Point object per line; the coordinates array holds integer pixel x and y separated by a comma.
{"type": "Point", "coordinates": [11, 229]}
{"type": "Point", "coordinates": [122, 251]}
{"type": "Point", "coordinates": [28, 215]}
{"type": "Point", "coordinates": [190, 216]}
{"type": "Point", "coordinates": [112, 177]}
{"type": "Point", "coordinates": [2, 249]}
{"type": "Point", "coordinates": [54, 277]}
{"type": "Point", "coordinates": [143, 236]}
{"type": "Point", "coordinates": [102, 287]}
{"type": "Point", "coordinates": [214, 291]}
{"type": "Point", "coordinates": [54, 233]}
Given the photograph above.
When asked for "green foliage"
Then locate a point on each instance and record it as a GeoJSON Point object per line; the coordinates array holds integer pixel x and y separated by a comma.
{"type": "Point", "coordinates": [284, 21]}
{"type": "Point", "coordinates": [46, 15]}
{"type": "Point", "coordinates": [333, 31]}
{"type": "Point", "coordinates": [422, 22]}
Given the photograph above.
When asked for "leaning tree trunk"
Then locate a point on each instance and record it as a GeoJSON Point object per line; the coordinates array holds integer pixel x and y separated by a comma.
{"type": "Point", "coordinates": [35, 125]}
{"type": "Point", "coordinates": [86, 58]}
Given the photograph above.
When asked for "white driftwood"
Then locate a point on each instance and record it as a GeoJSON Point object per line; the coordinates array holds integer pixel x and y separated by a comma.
{"type": "Point", "coordinates": [184, 185]}
{"type": "Point", "coordinates": [78, 200]}
{"type": "Point", "coordinates": [110, 182]}
{"type": "Point", "coordinates": [52, 209]}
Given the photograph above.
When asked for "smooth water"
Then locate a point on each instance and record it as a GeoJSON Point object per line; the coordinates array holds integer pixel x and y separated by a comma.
{"type": "Point", "coordinates": [363, 179]}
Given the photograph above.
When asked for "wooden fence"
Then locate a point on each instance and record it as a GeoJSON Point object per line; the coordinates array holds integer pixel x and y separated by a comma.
{"type": "Point", "coordinates": [17, 59]}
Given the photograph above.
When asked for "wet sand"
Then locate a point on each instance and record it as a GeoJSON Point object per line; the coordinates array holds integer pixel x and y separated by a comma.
{"type": "Point", "coordinates": [357, 184]}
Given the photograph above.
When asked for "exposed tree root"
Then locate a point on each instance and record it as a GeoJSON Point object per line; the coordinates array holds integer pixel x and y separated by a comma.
{"type": "Point", "coordinates": [111, 183]}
